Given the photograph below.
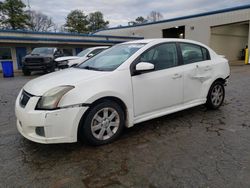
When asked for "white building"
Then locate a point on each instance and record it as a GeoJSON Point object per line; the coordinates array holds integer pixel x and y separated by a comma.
{"type": "Point", "coordinates": [226, 31]}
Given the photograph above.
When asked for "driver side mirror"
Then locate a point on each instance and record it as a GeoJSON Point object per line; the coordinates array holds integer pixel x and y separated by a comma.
{"type": "Point", "coordinates": [144, 67]}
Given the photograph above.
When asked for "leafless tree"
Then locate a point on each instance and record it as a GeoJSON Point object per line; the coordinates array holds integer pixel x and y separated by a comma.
{"type": "Point", "coordinates": [154, 16]}
{"type": "Point", "coordinates": [40, 22]}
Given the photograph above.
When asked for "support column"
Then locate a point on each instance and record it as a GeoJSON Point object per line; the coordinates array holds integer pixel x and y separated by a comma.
{"type": "Point", "coordinates": [248, 41]}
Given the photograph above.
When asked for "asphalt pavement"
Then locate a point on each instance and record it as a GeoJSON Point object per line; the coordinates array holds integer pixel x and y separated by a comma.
{"type": "Point", "coordinates": [192, 148]}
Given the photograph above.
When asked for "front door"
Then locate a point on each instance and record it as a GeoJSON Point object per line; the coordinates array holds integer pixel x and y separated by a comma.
{"type": "Point", "coordinates": [162, 87]}
{"type": "Point", "coordinates": [20, 53]}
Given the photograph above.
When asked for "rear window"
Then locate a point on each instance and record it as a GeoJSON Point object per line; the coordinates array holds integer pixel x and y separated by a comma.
{"type": "Point", "coordinates": [192, 53]}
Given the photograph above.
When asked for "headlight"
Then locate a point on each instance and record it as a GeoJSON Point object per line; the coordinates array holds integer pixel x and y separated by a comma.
{"type": "Point", "coordinates": [50, 99]}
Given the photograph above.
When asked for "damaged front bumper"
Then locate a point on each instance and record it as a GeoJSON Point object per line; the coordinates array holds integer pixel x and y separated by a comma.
{"type": "Point", "coordinates": [54, 126]}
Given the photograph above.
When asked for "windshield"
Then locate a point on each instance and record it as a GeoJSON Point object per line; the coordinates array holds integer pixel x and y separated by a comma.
{"type": "Point", "coordinates": [84, 52]}
{"type": "Point", "coordinates": [43, 51]}
{"type": "Point", "coordinates": [112, 58]}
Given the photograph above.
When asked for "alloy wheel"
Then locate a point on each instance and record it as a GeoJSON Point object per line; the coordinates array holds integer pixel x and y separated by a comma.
{"type": "Point", "coordinates": [105, 123]}
{"type": "Point", "coordinates": [217, 95]}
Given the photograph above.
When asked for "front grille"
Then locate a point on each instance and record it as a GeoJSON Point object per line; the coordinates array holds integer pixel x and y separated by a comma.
{"type": "Point", "coordinates": [34, 60]}
{"type": "Point", "coordinates": [24, 98]}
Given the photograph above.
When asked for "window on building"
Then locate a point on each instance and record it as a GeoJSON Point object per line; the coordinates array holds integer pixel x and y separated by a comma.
{"type": "Point", "coordinates": [67, 52]}
{"type": "Point", "coordinates": [5, 53]}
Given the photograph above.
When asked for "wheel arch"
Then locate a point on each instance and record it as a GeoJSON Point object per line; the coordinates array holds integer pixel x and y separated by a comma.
{"type": "Point", "coordinates": [219, 79]}
{"type": "Point", "coordinates": [106, 98]}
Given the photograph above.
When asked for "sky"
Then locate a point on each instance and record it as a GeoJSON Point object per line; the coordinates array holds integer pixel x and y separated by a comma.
{"type": "Point", "coordinates": [120, 12]}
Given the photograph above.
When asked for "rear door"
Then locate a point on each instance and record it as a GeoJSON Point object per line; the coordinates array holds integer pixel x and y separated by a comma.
{"type": "Point", "coordinates": [197, 70]}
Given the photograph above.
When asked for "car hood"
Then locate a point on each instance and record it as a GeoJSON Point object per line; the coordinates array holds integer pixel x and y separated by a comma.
{"type": "Point", "coordinates": [66, 58]}
{"type": "Point", "coordinates": [71, 76]}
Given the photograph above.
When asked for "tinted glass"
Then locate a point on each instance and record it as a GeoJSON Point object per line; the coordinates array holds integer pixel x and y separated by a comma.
{"type": "Point", "coordinates": [191, 53]}
{"type": "Point", "coordinates": [162, 56]}
{"type": "Point", "coordinates": [42, 51]}
{"type": "Point", "coordinates": [97, 51]}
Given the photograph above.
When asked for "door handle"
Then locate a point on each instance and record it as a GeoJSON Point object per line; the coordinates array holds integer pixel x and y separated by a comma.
{"type": "Point", "coordinates": [177, 76]}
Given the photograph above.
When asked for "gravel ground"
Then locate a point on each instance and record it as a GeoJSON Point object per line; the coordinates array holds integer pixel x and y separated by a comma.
{"type": "Point", "coordinates": [192, 148]}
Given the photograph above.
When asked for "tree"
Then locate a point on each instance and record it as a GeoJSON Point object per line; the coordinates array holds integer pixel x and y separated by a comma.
{"type": "Point", "coordinates": [154, 16]}
{"type": "Point", "coordinates": [40, 22]}
{"type": "Point", "coordinates": [76, 21]}
{"type": "Point", "coordinates": [12, 15]}
{"type": "Point", "coordinates": [131, 23]}
{"type": "Point", "coordinates": [140, 20]}
{"type": "Point", "coordinates": [1, 14]}
{"type": "Point", "coordinates": [96, 21]}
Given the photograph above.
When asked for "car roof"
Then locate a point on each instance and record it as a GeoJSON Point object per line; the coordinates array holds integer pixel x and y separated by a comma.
{"type": "Point", "coordinates": [98, 47]}
{"type": "Point", "coordinates": [161, 40]}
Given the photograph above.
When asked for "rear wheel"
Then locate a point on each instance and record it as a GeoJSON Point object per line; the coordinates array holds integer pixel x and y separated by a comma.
{"type": "Point", "coordinates": [216, 95]}
{"type": "Point", "coordinates": [103, 123]}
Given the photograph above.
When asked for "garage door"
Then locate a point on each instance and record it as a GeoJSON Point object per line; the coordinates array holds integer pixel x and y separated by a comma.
{"type": "Point", "coordinates": [229, 40]}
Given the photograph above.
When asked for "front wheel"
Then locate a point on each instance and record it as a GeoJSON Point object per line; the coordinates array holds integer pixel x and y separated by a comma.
{"type": "Point", "coordinates": [103, 123]}
{"type": "Point", "coordinates": [215, 95]}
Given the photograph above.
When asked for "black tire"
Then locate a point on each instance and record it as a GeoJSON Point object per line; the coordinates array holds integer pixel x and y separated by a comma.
{"type": "Point", "coordinates": [86, 133]}
{"type": "Point", "coordinates": [53, 67]}
{"type": "Point", "coordinates": [212, 102]}
{"type": "Point", "coordinates": [26, 72]}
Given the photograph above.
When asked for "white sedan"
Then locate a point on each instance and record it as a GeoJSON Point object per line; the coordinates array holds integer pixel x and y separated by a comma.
{"type": "Point", "coordinates": [127, 84]}
{"type": "Point", "coordinates": [69, 61]}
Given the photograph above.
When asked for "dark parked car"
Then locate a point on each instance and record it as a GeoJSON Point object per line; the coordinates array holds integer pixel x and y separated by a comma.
{"type": "Point", "coordinates": [41, 59]}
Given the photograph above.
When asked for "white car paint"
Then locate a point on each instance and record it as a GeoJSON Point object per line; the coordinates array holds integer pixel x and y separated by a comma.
{"type": "Point", "coordinates": [64, 58]}
{"type": "Point", "coordinates": [146, 96]}
{"type": "Point", "coordinates": [75, 60]}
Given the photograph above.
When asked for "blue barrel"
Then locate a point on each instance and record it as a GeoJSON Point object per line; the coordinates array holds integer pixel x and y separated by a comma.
{"type": "Point", "coordinates": [7, 68]}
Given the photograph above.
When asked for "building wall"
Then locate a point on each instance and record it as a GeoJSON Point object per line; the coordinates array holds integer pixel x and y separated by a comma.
{"type": "Point", "coordinates": [197, 28]}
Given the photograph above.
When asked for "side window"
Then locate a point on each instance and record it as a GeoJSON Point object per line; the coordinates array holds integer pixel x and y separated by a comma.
{"type": "Point", "coordinates": [206, 55]}
{"type": "Point", "coordinates": [97, 51]}
{"type": "Point", "coordinates": [191, 53]}
{"type": "Point", "coordinates": [163, 56]}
